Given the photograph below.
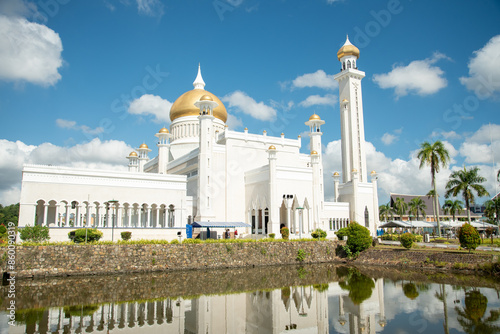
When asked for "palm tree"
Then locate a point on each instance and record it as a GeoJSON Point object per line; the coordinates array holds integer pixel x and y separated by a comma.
{"type": "Point", "coordinates": [464, 182]}
{"type": "Point", "coordinates": [431, 193]}
{"type": "Point", "coordinates": [453, 207]}
{"type": "Point", "coordinates": [493, 208]}
{"type": "Point", "coordinates": [385, 210]}
{"type": "Point", "coordinates": [434, 155]}
{"type": "Point", "coordinates": [417, 206]}
{"type": "Point", "coordinates": [400, 207]}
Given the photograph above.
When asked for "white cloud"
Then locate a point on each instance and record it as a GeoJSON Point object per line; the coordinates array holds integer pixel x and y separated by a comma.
{"type": "Point", "coordinates": [317, 79]}
{"type": "Point", "coordinates": [241, 102]}
{"type": "Point", "coordinates": [67, 124]}
{"type": "Point", "coordinates": [233, 122]}
{"type": "Point", "coordinates": [388, 138]}
{"type": "Point", "coordinates": [486, 134]}
{"type": "Point", "coordinates": [419, 77]}
{"type": "Point", "coordinates": [108, 154]}
{"type": "Point", "coordinates": [30, 52]}
{"type": "Point", "coordinates": [484, 70]}
{"type": "Point", "coordinates": [151, 105]}
{"type": "Point", "coordinates": [152, 8]}
{"type": "Point", "coordinates": [313, 100]}
{"type": "Point", "coordinates": [482, 146]}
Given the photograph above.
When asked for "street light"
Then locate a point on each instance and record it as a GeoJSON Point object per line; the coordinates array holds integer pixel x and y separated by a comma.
{"type": "Point", "coordinates": [114, 201]}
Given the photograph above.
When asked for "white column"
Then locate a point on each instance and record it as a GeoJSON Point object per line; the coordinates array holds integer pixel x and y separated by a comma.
{"type": "Point", "coordinates": [66, 218]}
{"type": "Point", "coordinates": [45, 212]}
{"type": "Point", "coordinates": [119, 214]}
{"type": "Point", "coordinates": [148, 221]}
{"type": "Point", "coordinates": [57, 219]}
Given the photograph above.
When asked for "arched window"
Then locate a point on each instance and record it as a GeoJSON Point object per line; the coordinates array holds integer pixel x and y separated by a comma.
{"type": "Point", "coordinates": [348, 64]}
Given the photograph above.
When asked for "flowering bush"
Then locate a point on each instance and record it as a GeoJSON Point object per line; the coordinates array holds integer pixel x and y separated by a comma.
{"type": "Point", "coordinates": [468, 237]}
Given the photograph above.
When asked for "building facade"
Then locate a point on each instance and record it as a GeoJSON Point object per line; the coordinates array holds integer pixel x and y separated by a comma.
{"type": "Point", "coordinates": [205, 172]}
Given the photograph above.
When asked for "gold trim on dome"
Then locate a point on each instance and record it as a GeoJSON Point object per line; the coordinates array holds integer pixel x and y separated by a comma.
{"type": "Point", "coordinates": [163, 130]}
{"type": "Point", "coordinates": [143, 146]}
{"type": "Point", "coordinates": [184, 105]}
{"type": "Point", "coordinates": [348, 50]}
{"type": "Point", "coordinates": [336, 174]}
{"type": "Point", "coordinates": [314, 117]}
{"type": "Point", "coordinates": [272, 147]}
{"type": "Point", "coordinates": [314, 153]}
{"type": "Point", "coordinates": [354, 170]}
{"type": "Point", "coordinates": [373, 172]}
{"type": "Point", "coordinates": [206, 98]}
{"type": "Point", "coordinates": [132, 154]}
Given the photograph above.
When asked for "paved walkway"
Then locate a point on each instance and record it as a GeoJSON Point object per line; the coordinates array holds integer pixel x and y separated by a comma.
{"type": "Point", "coordinates": [435, 245]}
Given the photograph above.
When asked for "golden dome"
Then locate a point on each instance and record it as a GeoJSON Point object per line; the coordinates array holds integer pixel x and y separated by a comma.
{"type": "Point", "coordinates": [163, 130]}
{"type": "Point", "coordinates": [348, 50]}
{"type": "Point", "coordinates": [184, 105]}
{"type": "Point", "coordinates": [336, 174]}
{"type": "Point", "coordinates": [206, 98]}
{"type": "Point", "coordinates": [143, 146]}
{"type": "Point", "coordinates": [344, 101]}
{"type": "Point", "coordinates": [373, 172]}
{"type": "Point", "coordinates": [314, 117]}
{"type": "Point", "coordinates": [132, 154]}
{"type": "Point", "coordinates": [272, 147]}
{"type": "Point", "coordinates": [354, 170]}
{"type": "Point", "coordinates": [314, 153]}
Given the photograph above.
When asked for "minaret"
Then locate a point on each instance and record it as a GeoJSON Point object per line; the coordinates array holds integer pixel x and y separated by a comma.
{"type": "Point", "coordinates": [206, 118]}
{"type": "Point", "coordinates": [143, 156]}
{"type": "Point", "coordinates": [163, 149]}
{"type": "Point", "coordinates": [315, 134]}
{"type": "Point", "coordinates": [317, 199]}
{"type": "Point", "coordinates": [133, 163]}
{"type": "Point", "coordinates": [351, 113]}
{"type": "Point", "coordinates": [274, 213]}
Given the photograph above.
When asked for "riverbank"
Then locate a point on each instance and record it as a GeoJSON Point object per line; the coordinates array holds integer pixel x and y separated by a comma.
{"type": "Point", "coordinates": [105, 259]}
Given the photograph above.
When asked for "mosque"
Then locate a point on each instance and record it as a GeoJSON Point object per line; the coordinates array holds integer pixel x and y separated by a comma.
{"type": "Point", "coordinates": [205, 173]}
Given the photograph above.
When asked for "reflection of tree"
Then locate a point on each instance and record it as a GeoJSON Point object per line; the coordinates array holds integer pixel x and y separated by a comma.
{"type": "Point", "coordinates": [360, 286]}
{"type": "Point", "coordinates": [79, 310]}
{"type": "Point", "coordinates": [470, 317]}
{"type": "Point", "coordinates": [441, 295]}
{"type": "Point", "coordinates": [410, 290]}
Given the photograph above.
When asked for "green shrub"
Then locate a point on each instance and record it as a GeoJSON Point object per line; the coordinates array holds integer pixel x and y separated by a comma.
{"type": "Point", "coordinates": [418, 238]}
{"type": "Point", "coordinates": [126, 235]}
{"type": "Point", "coordinates": [407, 240]}
{"type": "Point", "coordinates": [358, 237]}
{"type": "Point", "coordinates": [35, 233]}
{"type": "Point", "coordinates": [285, 232]}
{"type": "Point", "coordinates": [468, 237]}
{"type": "Point", "coordinates": [318, 234]}
{"type": "Point", "coordinates": [301, 255]}
{"type": "Point", "coordinates": [272, 235]}
{"type": "Point", "coordinates": [174, 242]}
{"type": "Point", "coordinates": [92, 234]}
{"type": "Point", "coordinates": [410, 289]}
{"type": "Point", "coordinates": [191, 241]}
{"type": "Point", "coordinates": [341, 233]}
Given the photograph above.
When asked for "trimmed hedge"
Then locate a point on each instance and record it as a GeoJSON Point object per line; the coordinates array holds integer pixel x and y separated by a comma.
{"type": "Point", "coordinates": [359, 237]}
{"type": "Point", "coordinates": [92, 234]}
{"type": "Point", "coordinates": [469, 237]}
{"type": "Point", "coordinates": [407, 240]}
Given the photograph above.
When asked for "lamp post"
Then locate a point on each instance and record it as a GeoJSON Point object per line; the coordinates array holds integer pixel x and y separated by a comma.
{"type": "Point", "coordinates": [113, 201]}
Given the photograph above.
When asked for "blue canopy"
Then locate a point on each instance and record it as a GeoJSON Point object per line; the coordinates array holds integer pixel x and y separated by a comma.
{"type": "Point", "coordinates": [220, 224]}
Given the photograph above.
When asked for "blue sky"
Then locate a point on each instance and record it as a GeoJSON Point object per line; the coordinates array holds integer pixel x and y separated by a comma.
{"type": "Point", "coordinates": [84, 82]}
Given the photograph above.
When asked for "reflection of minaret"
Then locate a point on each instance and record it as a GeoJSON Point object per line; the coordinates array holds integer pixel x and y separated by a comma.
{"type": "Point", "coordinates": [380, 285]}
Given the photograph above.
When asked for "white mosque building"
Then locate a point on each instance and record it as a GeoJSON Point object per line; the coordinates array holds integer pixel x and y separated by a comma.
{"type": "Point", "coordinates": [206, 173]}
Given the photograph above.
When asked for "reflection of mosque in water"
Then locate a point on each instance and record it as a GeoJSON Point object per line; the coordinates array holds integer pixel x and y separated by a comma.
{"type": "Point", "coordinates": [301, 309]}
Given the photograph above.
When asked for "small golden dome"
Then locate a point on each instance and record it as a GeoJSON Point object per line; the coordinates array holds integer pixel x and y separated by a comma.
{"type": "Point", "coordinates": [282, 133]}
{"type": "Point", "coordinates": [132, 154]}
{"type": "Point", "coordinates": [314, 117]}
{"type": "Point", "coordinates": [373, 172]}
{"type": "Point", "coordinates": [314, 153]}
{"type": "Point", "coordinates": [336, 174]}
{"type": "Point", "coordinates": [272, 147]}
{"type": "Point", "coordinates": [206, 98]}
{"type": "Point", "coordinates": [163, 130]}
{"type": "Point", "coordinates": [354, 170]}
{"type": "Point", "coordinates": [143, 146]}
{"type": "Point", "coordinates": [299, 136]}
{"type": "Point", "coordinates": [246, 129]}
{"type": "Point", "coordinates": [344, 101]}
{"type": "Point", "coordinates": [184, 105]}
{"type": "Point", "coordinates": [347, 50]}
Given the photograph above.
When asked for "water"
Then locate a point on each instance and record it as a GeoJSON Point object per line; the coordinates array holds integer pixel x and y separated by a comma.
{"type": "Point", "coordinates": [288, 299]}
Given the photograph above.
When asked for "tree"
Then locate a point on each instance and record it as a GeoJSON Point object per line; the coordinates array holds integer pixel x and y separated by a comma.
{"type": "Point", "coordinates": [431, 193]}
{"type": "Point", "coordinates": [493, 209]}
{"type": "Point", "coordinates": [400, 206]}
{"type": "Point", "coordinates": [453, 207]}
{"type": "Point", "coordinates": [466, 182]}
{"type": "Point", "coordinates": [9, 213]}
{"type": "Point", "coordinates": [471, 316]}
{"type": "Point", "coordinates": [385, 210]}
{"type": "Point", "coordinates": [468, 237]}
{"type": "Point", "coordinates": [434, 155]}
{"type": "Point", "coordinates": [417, 206]}
{"type": "Point", "coordinates": [358, 237]}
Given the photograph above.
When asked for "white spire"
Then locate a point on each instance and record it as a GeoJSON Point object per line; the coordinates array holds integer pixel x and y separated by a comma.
{"type": "Point", "coordinates": [198, 82]}
{"type": "Point", "coordinates": [347, 41]}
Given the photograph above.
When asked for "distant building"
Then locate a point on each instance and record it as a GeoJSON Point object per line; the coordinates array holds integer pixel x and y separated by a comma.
{"type": "Point", "coordinates": [429, 210]}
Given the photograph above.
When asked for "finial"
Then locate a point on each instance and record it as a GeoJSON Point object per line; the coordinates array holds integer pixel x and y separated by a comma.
{"type": "Point", "coordinates": [198, 82]}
